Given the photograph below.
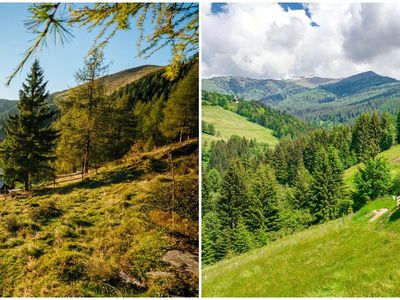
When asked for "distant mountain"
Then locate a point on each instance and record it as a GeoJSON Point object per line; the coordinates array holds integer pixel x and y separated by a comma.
{"type": "Point", "coordinates": [312, 82]}
{"type": "Point", "coordinates": [316, 99]}
{"type": "Point", "coordinates": [357, 83]}
{"type": "Point", "coordinates": [252, 89]}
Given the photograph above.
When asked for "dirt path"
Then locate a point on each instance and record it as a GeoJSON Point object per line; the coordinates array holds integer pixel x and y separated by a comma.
{"type": "Point", "coordinates": [377, 213]}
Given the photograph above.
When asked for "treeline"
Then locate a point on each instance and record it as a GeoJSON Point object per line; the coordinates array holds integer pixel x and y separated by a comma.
{"type": "Point", "coordinates": [281, 123]}
{"type": "Point", "coordinates": [90, 127]}
{"type": "Point", "coordinates": [253, 194]}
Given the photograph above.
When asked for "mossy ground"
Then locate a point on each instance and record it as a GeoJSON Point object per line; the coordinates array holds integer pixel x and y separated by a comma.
{"type": "Point", "coordinates": [97, 237]}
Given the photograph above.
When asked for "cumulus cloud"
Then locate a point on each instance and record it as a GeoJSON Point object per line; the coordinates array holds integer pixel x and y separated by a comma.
{"type": "Point", "coordinates": [263, 40]}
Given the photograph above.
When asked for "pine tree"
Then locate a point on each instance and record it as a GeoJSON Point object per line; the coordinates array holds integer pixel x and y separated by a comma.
{"type": "Point", "coordinates": [182, 110]}
{"type": "Point", "coordinates": [234, 195]}
{"type": "Point", "coordinates": [242, 238]}
{"type": "Point", "coordinates": [28, 148]}
{"type": "Point", "coordinates": [398, 127]}
{"type": "Point", "coordinates": [264, 190]}
{"type": "Point", "coordinates": [365, 141]}
{"type": "Point", "coordinates": [371, 182]}
{"type": "Point", "coordinates": [388, 132]}
{"type": "Point", "coordinates": [302, 182]}
{"type": "Point", "coordinates": [327, 186]}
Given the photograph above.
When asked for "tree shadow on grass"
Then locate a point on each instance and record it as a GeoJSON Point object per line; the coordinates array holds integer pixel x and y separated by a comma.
{"type": "Point", "coordinates": [103, 179]}
{"type": "Point", "coordinates": [394, 216]}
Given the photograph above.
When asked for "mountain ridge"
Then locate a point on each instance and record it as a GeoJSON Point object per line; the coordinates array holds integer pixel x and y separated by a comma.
{"type": "Point", "coordinates": [315, 99]}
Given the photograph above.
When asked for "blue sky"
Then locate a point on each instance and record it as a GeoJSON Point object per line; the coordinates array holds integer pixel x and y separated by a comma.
{"type": "Point", "coordinates": [60, 62]}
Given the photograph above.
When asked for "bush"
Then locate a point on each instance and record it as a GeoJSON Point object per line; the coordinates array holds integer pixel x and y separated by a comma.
{"type": "Point", "coordinates": [69, 266]}
{"type": "Point", "coordinates": [12, 224]}
{"type": "Point", "coordinates": [45, 211]}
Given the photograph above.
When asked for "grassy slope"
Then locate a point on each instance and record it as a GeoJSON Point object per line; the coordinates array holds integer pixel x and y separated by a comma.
{"type": "Point", "coordinates": [343, 258]}
{"type": "Point", "coordinates": [103, 235]}
{"type": "Point", "coordinates": [393, 157]}
{"type": "Point", "coordinates": [228, 123]}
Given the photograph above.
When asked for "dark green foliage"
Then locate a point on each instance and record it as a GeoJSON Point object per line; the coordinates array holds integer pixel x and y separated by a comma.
{"type": "Point", "coordinates": [182, 109]}
{"type": "Point", "coordinates": [398, 127]}
{"type": "Point", "coordinates": [388, 131]}
{"type": "Point", "coordinates": [28, 149]}
{"type": "Point", "coordinates": [234, 197]}
{"type": "Point", "coordinates": [371, 182]}
{"type": "Point", "coordinates": [327, 186]}
{"type": "Point", "coordinates": [242, 238]}
{"type": "Point", "coordinates": [265, 201]}
{"type": "Point", "coordinates": [208, 128]}
{"type": "Point", "coordinates": [281, 123]}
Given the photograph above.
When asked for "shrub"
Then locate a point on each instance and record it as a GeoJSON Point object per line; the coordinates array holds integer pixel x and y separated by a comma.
{"type": "Point", "coordinates": [45, 211]}
{"type": "Point", "coordinates": [12, 224]}
{"type": "Point", "coordinates": [69, 265]}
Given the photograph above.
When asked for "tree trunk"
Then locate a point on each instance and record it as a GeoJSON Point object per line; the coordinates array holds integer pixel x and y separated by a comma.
{"type": "Point", "coordinates": [86, 154]}
{"type": "Point", "coordinates": [26, 181]}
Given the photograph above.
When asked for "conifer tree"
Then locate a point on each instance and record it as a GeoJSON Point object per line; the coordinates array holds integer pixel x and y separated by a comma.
{"type": "Point", "coordinates": [181, 111]}
{"type": "Point", "coordinates": [398, 127]}
{"type": "Point", "coordinates": [242, 238]}
{"type": "Point", "coordinates": [302, 182]}
{"type": "Point", "coordinates": [364, 142]}
{"type": "Point", "coordinates": [28, 148]}
{"type": "Point", "coordinates": [388, 132]}
{"type": "Point", "coordinates": [327, 186]}
{"type": "Point", "coordinates": [234, 195]}
{"type": "Point", "coordinates": [264, 189]}
{"type": "Point", "coordinates": [82, 119]}
{"type": "Point", "coordinates": [371, 182]}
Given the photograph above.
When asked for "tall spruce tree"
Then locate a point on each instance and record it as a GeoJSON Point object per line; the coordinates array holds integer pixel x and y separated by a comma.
{"type": "Point", "coordinates": [365, 141]}
{"type": "Point", "coordinates": [264, 190]}
{"type": "Point", "coordinates": [28, 148]}
{"type": "Point", "coordinates": [234, 195]}
{"type": "Point", "coordinates": [327, 185]}
{"type": "Point", "coordinates": [181, 111]}
{"type": "Point", "coordinates": [398, 127]}
{"type": "Point", "coordinates": [388, 131]}
{"type": "Point", "coordinates": [371, 182]}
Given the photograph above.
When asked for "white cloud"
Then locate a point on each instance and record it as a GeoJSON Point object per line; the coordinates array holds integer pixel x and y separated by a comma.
{"type": "Point", "coordinates": [263, 41]}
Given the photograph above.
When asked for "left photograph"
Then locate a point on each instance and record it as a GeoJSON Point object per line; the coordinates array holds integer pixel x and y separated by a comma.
{"type": "Point", "coordinates": [99, 150]}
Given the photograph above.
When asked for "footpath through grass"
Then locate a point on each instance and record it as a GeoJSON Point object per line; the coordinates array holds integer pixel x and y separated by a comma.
{"type": "Point", "coordinates": [349, 257]}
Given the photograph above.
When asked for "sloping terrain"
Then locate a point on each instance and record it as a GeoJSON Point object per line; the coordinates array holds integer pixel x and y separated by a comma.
{"type": "Point", "coordinates": [316, 99]}
{"type": "Point", "coordinates": [348, 257]}
{"type": "Point", "coordinates": [227, 123]}
{"type": "Point", "coordinates": [117, 233]}
{"type": "Point", "coordinates": [392, 156]}
{"type": "Point", "coordinates": [112, 83]}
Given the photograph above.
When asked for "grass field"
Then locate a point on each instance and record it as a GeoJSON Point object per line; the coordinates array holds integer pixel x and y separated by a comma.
{"type": "Point", "coordinates": [113, 234]}
{"type": "Point", "coordinates": [349, 257]}
{"type": "Point", "coordinates": [228, 123]}
{"type": "Point", "coordinates": [392, 156]}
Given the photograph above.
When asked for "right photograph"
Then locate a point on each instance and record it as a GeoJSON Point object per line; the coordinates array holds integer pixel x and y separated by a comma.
{"type": "Point", "coordinates": [300, 150]}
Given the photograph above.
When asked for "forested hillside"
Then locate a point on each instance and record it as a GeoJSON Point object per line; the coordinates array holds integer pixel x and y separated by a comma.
{"type": "Point", "coordinates": [133, 155]}
{"type": "Point", "coordinates": [281, 123]}
{"type": "Point", "coordinates": [323, 101]}
{"type": "Point", "coordinates": [253, 195]}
